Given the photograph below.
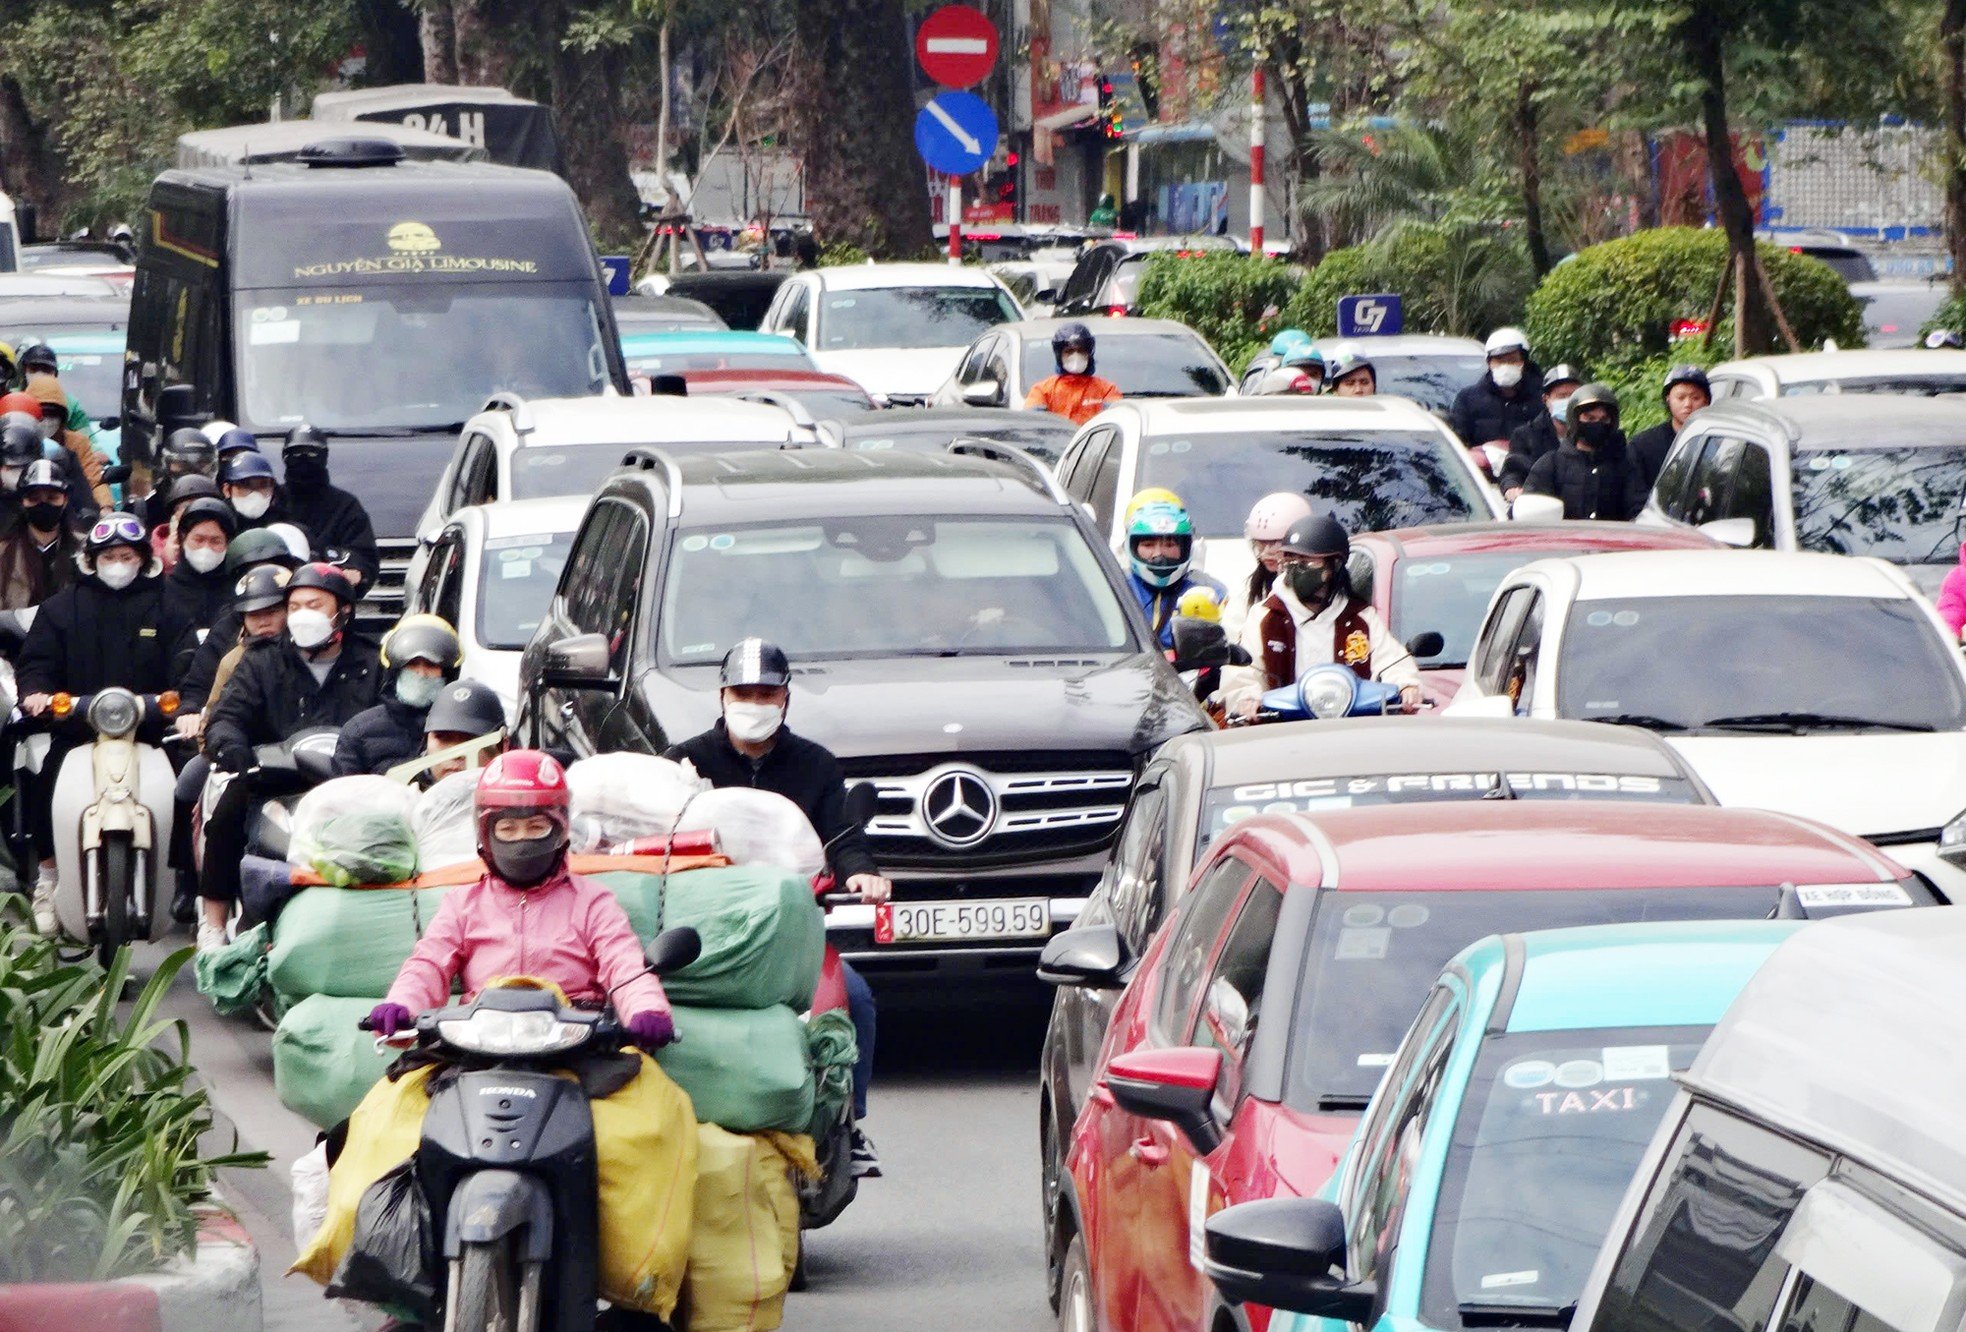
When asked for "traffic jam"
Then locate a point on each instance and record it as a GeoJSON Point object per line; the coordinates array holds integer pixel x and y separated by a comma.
{"type": "Point", "coordinates": [751, 787]}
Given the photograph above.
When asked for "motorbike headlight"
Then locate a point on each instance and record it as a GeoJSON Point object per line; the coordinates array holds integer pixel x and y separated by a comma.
{"type": "Point", "coordinates": [1952, 841]}
{"type": "Point", "coordinates": [1329, 691]}
{"type": "Point", "coordinates": [491, 1032]}
{"type": "Point", "coordinates": [114, 713]}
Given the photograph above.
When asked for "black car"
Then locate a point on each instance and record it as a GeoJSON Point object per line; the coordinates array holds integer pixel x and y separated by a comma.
{"type": "Point", "coordinates": [739, 296]}
{"type": "Point", "coordinates": [665, 314]}
{"type": "Point", "coordinates": [1107, 279]}
{"type": "Point", "coordinates": [1043, 435]}
{"type": "Point", "coordinates": [959, 637]}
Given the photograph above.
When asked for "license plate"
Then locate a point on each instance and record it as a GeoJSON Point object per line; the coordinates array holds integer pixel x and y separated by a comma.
{"type": "Point", "coordinates": [935, 922]}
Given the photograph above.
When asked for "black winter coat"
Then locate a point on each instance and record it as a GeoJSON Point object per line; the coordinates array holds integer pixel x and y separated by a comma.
{"type": "Point", "coordinates": [196, 673]}
{"type": "Point", "coordinates": [335, 520]}
{"type": "Point", "coordinates": [273, 695]}
{"type": "Point", "coordinates": [1601, 483]}
{"type": "Point", "coordinates": [87, 637]}
{"type": "Point", "coordinates": [377, 739]}
{"type": "Point", "coordinates": [192, 601]}
{"type": "Point", "coordinates": [1482, 412]}
{"type": "Point", "coordinates": [1649, 449]}
{"type": "Point", "coordinates": [803, 772]}
{"type": "Point", "coordinates": [1526, 445]}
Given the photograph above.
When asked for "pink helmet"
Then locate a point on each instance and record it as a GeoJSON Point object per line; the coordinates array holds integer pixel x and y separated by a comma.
{"type": "Point", "coordinates": [1274, 514]}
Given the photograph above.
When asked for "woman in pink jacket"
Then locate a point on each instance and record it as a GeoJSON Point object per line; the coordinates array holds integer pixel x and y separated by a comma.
{"type": "Point", "coordinates": [1952, 596]}
{"type": "Point", "coordinates": [529, 916]}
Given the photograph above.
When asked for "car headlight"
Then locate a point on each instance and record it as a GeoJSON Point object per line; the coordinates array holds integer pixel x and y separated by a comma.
{"type": "Point", "coordinates": [535, 1032]}
{"type": "Point", "coordinates": [114, 713]}
{"type": "Point", "coordinates": [1952, 841]}
{"type": "Point", "coordinates": [1329, 691]}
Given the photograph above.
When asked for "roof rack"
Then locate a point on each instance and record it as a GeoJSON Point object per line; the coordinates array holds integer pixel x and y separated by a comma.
{"type": "Point", "coordinates": [803, 420]}
{"type": "Point", "coordinates": [505, 400]}
{"type": "Point", "coordinates": [971, 446]}
{"type": "Point", "coordinates": [647, 460]}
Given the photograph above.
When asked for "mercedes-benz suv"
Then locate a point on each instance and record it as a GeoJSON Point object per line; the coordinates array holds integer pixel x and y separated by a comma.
{"type": "Point", "coordinates": [959, 637]}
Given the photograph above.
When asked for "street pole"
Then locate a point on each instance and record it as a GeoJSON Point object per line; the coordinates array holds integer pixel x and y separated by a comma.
{"type": "Point", "coordinates": [1256, 162]}
{"type": "Point", "coordinates": [955, 212]}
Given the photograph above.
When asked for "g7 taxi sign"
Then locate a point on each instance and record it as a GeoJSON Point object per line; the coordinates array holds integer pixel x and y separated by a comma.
{"type": "Point", "coordinates": [956, 45]}
{"type": "Point", "coordinates": [956, 133]}
{"type": "Point", "coordinates": [1370, 316]}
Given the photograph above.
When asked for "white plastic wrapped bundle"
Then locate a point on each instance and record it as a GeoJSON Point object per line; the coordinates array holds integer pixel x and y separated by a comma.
{"type": "Point", "coordinates": [446, 823]}
{"type": "Point", "coordinates": [356, 830]}
{"type": "Point", "coordinates": [758, 828]}
{"type": "Point", "coordinates": [618, 798]}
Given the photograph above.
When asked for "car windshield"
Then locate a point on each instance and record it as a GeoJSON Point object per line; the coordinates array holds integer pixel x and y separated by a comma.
{"type": "Point", "coordinates": [1916, 384]}
{"type": "Point", "coordinates": [1144, 365]}
{"type": "Point", "coordinates": [548, 471]}
{"type": "Point", "coordinates": [1448, 594]}
{"type": "Point", "coordinates": [1431, 381]}
{"type": "Point", "coordinates": [1367, 481]}
{"type": "Point", "coordinates": [1038, 438]}
{"type": "Point", "coordinates": [910, 316]}
{"type": "Point", "coordinates": [675, 363]}
{"type": "Point", "coordinates": [890, 585]}
{"type": "Point", "coordinates": [1851, 660]}
{"type": "Point", "coordinates": [1550, 1131]}
{"type": "Point", "coordinates": [515, 584]}
{"type": "Point", "coordinates": [94, 379]}
{"type": "Point", "coordinates": [1902, 505]}
{"type": "Point", "coordinates": [383, 358]}
{"type": "Point", "coordinates": [1226, 806]}
{"type": "Point", "coordinates": [1373, 955]}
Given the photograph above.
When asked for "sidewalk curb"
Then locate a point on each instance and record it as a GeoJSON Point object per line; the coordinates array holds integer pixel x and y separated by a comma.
{"type": "Point", "coordinates": [216, 1287]}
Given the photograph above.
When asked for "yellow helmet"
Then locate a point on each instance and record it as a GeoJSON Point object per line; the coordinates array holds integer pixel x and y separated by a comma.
{"type": "Point", "coordinates": [1152, 495]}
{"type": "Point", "coordinates": [1200, 604]}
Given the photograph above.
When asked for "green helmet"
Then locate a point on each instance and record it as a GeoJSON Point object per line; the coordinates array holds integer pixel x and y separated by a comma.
{"type": "Point", "coordinates": [257, 546]}
{"type": "Point", "coordinates": [1160, 520]}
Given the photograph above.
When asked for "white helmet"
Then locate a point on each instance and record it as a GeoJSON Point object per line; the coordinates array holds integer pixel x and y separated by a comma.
{"type": "Point", "coordinates": [1507, 340]}
{"type": "Point", "coordinates": [1274, 514]}
{"type": "Point", "coordinates": [215, 430]}
{"type": "Point", "coordinates": [295, 538]}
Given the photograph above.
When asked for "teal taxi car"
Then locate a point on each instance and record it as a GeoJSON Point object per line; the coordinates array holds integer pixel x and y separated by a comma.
{"type": "Point", "coordinates": [682, 351]}
{"type": "Point", "coordinates": [1494, 1155]}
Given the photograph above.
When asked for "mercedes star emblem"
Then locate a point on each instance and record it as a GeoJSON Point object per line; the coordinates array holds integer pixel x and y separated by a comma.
{"type": "Point", "coordinates": [959, 808]}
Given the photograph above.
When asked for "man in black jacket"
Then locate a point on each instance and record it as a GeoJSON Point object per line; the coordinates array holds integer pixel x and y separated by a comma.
{"type": "Point", "coordinates": [420, 655]}
{"type": "Point", "coordinates": [1686, 391]}
{"type": "Point", "coordinates": [317, 673]}
{"type": "Point", "coordinates": [1543, 434]}
{"type": "Point", "coordinates": [333, 519]}
{"type": "Point", "coordinates": [1592, 472]}
{"type": "Point", "coordinates": [752, 746]}
{"type": "Point", "coordinates": [1504, 399]}
{"type": "Point", "coordinates": [197, 590]}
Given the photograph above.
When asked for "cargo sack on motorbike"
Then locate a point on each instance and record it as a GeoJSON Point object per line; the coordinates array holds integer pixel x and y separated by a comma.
{"type": "Point", "coordinates": [618, 798]}
{"type": "Point", "coordinates": [764, 936]}
{"type": "Point", "coordinates": [383, 1132]}
{"type": "Point", "coordinates": [760, 828]}
{"type": "Point", "coordinates": [233, 976]}
{"type": "Point", "coordinates": [323, 1066]}
{"type": "Point", "coordinates": [348, 942]}
{"type": "Point", "coordinates": [356, 830]}
{"type": "Point", "coordinates": [832, 1049]}
{"type": "Point", "coordinates": [744, 1069]}
{"type": "Point", "coordinates": [393, 1257]}
{"type": "Point", "coordinates": [746, 1241]}
{"type": "Point", "coordinates": [646, 1145]}
{"type": "Point", "coordinates": [446, 825]}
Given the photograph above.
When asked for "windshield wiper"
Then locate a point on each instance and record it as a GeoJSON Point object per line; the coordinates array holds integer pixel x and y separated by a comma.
{"type": "Point", "coordinates": [1478, 1313]}
{"type": "Point", "coordinates": [1341, 1101]}
{"type": "Point", "coordinates": [1796, 722]}
{"type": "Point", "coordinates": [1645, 719]}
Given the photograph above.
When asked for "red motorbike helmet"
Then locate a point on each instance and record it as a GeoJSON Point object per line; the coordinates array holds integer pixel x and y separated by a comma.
{"type": "Point", "coordinates": [523, 782]}
{"type": "Point", "coordinates": [21, 402]}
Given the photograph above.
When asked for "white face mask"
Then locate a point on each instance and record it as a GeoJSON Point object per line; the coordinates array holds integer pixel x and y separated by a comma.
{"type": "Point", "coordinates": [309, 628]}
{"type": "Point", "coordinates": [119, 575]}
{"type": "Point", "coordinates": [1505, 376]}
{"type": "Point", "coordinates": [1076, 363]}
{"type": "Point", "coordinates": [203, 558]}
{"type": "Point", "coordinates": [252, 505]}
{"type": "Point", "coordinates": [753, 723]}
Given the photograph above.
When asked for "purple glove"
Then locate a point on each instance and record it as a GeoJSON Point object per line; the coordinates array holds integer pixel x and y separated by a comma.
{"type": "Point", "coordinates": [388, 1019]}
{"type": "Point", "coordinates": [652, 1031]}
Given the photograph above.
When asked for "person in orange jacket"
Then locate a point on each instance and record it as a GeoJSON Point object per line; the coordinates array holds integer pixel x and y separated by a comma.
{"type": "Point", "coordinates": [1074, 393]}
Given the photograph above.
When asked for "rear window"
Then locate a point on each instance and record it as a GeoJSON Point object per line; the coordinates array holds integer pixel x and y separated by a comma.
{"type": "Point", "coordinates": [910, 316]}
{"type": "Point", "coordinates": [1154, 365]}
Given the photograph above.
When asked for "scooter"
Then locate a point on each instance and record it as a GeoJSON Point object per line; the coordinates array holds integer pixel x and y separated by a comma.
{"type": "Point", "coordinates": [1324, 692]}
{"type": "Point", "coordinates": [506, 1162]}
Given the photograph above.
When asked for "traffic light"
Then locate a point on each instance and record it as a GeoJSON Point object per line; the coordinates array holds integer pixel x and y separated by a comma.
{"type": "Point", "coordinates": [1111, 120]}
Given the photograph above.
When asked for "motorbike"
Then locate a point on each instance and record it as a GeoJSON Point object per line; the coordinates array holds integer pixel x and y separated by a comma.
{"type": "Point", "coordinates": [1323, 692]}
{"type": "Point", "coordinates": [506, 1159]}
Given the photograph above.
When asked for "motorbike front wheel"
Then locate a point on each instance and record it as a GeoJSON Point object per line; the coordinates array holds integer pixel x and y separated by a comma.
{"type": "Point", "coordinates": [117, 866]}
{"type": "Point", "coordinates": [488, 1292]}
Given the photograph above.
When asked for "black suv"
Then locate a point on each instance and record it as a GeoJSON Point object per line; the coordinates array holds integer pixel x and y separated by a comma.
{"type": "Point", "coordinates": [959, 635]}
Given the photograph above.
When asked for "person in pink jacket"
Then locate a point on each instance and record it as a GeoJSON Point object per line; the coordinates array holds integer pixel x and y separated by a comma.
{"type": "Point", "coordinates": [1952, 596]}
{"type": "Point", "coordinates": [529, 916]}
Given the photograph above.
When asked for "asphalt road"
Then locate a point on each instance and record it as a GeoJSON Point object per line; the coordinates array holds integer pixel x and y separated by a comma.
{"type": "Point", "coordinates": [948, 1237]}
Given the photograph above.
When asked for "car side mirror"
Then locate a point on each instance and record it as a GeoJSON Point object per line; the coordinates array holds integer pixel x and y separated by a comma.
{"type": "Point", "coordinates": [110, 423]}
{"type": "Point", "coordinates": [1427, 643]}
{"type": "Point", "coordinates": [674, 949]}
{"type": "Point", "coordinates": [1048, 296]}
{"type": "Point", "coordinates": [983, 393]}
{"type": "Point", "coordinates": [1085, 955]}
{"type": "Point", "coordinates": [1176, 1085]}
{"type": "Point", "coordinates": [579, 662]}
{"type": "Point", "coordinates": [1200, 643]}
{"type": "Point", "coordinates": [177, 407]}
{"type": "Point", "coordinates": [1285, 1253]}
{"type": "Point", "coordinates": [1483, 705]}
{"type": "Point", "coordinates": [1735, 532]}
{"type": "Point", "coordinates": [1536, 509]}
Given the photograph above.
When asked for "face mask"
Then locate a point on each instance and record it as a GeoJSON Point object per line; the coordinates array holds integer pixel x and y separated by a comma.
{"type": "Point", "coordinates": [1307, 583]}
{"type": "Point", "coordinates": [204, 559]}
{"type": "Point", "coordinates": [1560, 410]}
{"type": "Point", "coordinates": [419, 691]}
{"type": "Point", "coordinates": [119, 575]}
{"type": "Point", "coordinates": [1505, 376]}
{"type": "Point", "coordinates": [45, 516]}
{"type": "Point", "coordinates": [307, 473]}
{"type": "Point", "coordinates": [753, 723]}
{"type": "Point", "coordinates": [528, 863]}
{"type": "Point", "coordinates": [251, 505]}
{"type": "Point", "coordinates": [1597, 434]}
{"type": "Point", "coordinates": [1076, 363]}
{"type": "Point", "coordinates": [309, 629]}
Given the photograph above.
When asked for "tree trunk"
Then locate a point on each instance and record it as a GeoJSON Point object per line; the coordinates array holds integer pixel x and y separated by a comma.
{"type": "Point", "coordinates": [392, 38]}
{"type": "Point", "coordinates": [481, 31]}
{"type": "Point", "coordinates": [1285, 62]}
{"type": "Point", "coordinates": [30, 165]}
{"type": "Point", "coordinates": [1952, 38]}
{"type": "Point", "coordinates": [437, 27]}
{"type": "Point", "coordinates": [667, 76]}
{"type": "Point", "coordinates": [1703, 39]}
{"type": "Point", "coordinates": [1529, 162]}
{"type": "Point", "coordinates": [855, 106]}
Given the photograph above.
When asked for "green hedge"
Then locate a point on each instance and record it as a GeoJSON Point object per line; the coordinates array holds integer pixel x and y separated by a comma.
{"type": "Point", "coordinates": [1950, 315]}
{"type": "Point", "coordinates": [1451, 278]}
{"type": "Point", "coordinates": [1640, 384]}
{"type": "Point", "coordinates": [1231, 300]}
{"type": "Point", "coordinates": [1615, 304]}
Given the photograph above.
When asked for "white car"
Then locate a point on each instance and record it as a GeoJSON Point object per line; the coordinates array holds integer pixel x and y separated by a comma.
{"type": "Point", "coordinates": [1817, 685]}
{"type": "Point", "coordinates": [896, 329]}
{"type": "Point", "coordinates": [1374, 463]}
{"type": "Point", "coordinates": [1426, 367]}
{"type": "Point", "coordinates": [1908, 370]}
{"type": "Point", "coordinates": [491, 571]}
{"type": "Point", "coordinates": [1146, 358]}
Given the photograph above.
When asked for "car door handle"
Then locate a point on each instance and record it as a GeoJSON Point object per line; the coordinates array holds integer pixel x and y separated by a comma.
{"type": "Point", "coordinates": [1147, 1152]}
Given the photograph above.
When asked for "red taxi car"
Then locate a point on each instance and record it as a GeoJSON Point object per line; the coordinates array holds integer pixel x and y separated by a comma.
{"type": "Point", "coordinates": [1438, 579]}
{"type": "Point", "coordinates": [1261, 1017]}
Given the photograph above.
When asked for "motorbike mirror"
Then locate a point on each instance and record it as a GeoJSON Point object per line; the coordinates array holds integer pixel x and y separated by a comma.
{"type": "Point", "coordinates": [1427, 643]}
{"type": "Point", "coordinates": [177, 406]}
{"type": "Point", "coordinates": [1199, 643]}
{"type": "Point", "coordinates": [861, 801]}
{"type": "Point", "coordinates": [1358, 577]}
{"type": "Point", "coordinates": [674, 949]}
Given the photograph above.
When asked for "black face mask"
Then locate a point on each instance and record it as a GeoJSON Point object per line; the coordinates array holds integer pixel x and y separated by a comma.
{"type": "Point", "coordinates": [45, 516]}
{"type": "Point", "coordinates": [525, 864]}
{"type": "Point", "coordinates": [1597, 434]}
{"type": "Point", "coordinates": [1309, 583]}
{"type": "Point", "coordinates": [305, 473]}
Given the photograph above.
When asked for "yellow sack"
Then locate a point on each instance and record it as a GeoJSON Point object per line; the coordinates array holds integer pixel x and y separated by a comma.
{"type": "Point", "coordinates": [382, 1133]}
{"type": "Point", "coordinates": [746, 1240]}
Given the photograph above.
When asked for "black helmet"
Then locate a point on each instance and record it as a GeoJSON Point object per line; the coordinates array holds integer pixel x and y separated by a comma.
{"type": "Point", "coordinates": [260, 589]}
{"type": "Point", "coordinates": [197, 486]}
{"type": "Point", "coordinates": [236, 440]}
{"type": "Point", "coordinates": [305, 437]}
{"type": "Point", "coordinates": [1593, 395]}
{"type": "Point", "coordinates": [324, 576]}
{"type": "Point", "coordinates": [244, 465]}
{"type": "Point", "coordinates": [1562, 373]}
{"type": "Point", "coordinates": [208, 510]}
{"type": "Point", "coordinates": [466, 708]}
{"type": "Point", "coordinates": [427, 638]}
{"type": "Point", "coordinates": [1067, 336]}
{"type": "Point", "coordinates": [756, 662]}
{"type": "Point", "coordinates": [19, 446]}
{"type": "Point", "coordinates": [1319, 536]}
{"type": "Point", "coordinates": [42, 475]}
{"type": "Point", "coordinates": [187, 451]}
{"type": "Point", "coordinates": [38, 357]}
{"type": "Point", "coordinates": [258, 546]}
{"type": "Point", "coordinates": [1686, 374]}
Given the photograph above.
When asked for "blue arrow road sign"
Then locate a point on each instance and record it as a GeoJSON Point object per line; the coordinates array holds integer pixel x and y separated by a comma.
{"type": "Point", "coordinates": [616, 266]}
{"type": "Point", "coordinates": [956, 133]}
{"type": "Point", "coordinates": [1369, 316]}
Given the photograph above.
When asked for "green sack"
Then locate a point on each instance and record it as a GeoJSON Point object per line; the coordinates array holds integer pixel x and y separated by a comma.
{"type": "Point", "coordinates": [744, 1068]}
{"type": "Point", "coordinates": [348, 942]}
{"type": "Point", "coordinates": [322, 1065]}
{"type": "Point", "coordinates": [832, 1050]}
{"type": "Point", "coordinates": [764, 936]}
{"type": "Point", "coordinates": [232, 977]}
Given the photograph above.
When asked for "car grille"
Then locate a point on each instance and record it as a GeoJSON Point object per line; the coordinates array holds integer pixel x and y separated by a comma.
{"type": "Point", "coordinates": [384, 602]}
{"type": "Point", "coordinates": [935, 811]}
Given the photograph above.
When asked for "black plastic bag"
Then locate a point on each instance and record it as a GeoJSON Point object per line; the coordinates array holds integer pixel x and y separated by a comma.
{"type": "Point", "coordinates": [393, 1259]}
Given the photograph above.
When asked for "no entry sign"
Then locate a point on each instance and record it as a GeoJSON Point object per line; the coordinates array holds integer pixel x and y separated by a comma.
{"type": "Point", "coordinates": [956, 45]}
